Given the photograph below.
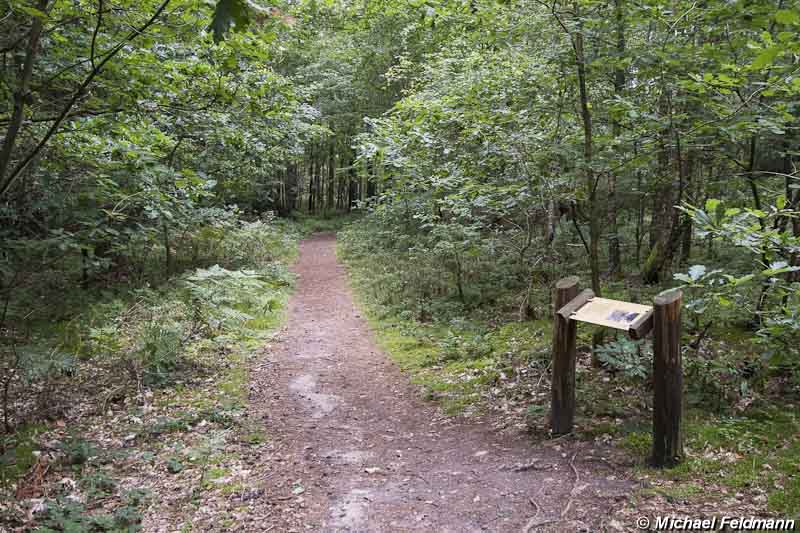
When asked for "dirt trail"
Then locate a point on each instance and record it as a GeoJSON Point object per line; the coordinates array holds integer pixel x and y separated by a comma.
{"type": "Point", "coordinates": [357, 449]}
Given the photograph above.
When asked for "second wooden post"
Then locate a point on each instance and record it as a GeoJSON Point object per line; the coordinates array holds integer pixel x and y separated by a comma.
{"type": "Point", "coordinates": [667, 380]}
{"type": "Point", "coordinates": [562, 403]}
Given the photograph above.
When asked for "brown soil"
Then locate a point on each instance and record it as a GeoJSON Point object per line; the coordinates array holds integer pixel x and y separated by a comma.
{"type": "Point", "coordinates": [355, 448]}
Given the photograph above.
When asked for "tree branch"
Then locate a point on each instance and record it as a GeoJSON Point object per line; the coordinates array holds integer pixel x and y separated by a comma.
{"type": "Point", "coordinates": [96, 31]}
{"type": "Point", "coordinates": [12, 177]}
{"type": "Point", "coordinates": [21, 92]}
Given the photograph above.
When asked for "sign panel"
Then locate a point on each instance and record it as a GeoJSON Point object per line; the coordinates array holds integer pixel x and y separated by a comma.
{"type": "Point", "coordinates": [612, 313]}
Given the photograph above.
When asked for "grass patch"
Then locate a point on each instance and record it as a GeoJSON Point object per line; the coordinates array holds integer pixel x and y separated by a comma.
{"type": "Point", "coordinates": [677, 493]}
{"type": "Point", "coordinates": [455, 383]}
{"type": "Point", "coordinates": [756, 452]}
{"type": "Point", "coordinates": [452, 363]}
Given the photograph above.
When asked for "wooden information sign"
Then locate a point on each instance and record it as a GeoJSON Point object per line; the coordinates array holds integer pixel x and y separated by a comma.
{"type": "Point", "coordinates": [636, 319]}
{"type": "Point", "coordinates": [664, 317]}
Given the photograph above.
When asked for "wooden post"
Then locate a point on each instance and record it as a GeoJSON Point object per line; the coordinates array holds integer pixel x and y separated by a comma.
{"type": "Point", "coordinates": [562, 403]}
{"type": "Point", "coordinates": [667, 379]}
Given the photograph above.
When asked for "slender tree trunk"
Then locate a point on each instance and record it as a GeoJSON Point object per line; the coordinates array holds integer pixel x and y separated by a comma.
{"type": "Point", "coordinates": [589, 174]}
{"type": "Point", "coordinates": [591, 181]}
{"type": "Point", "coordinates": [331, 176]}
{"type": "Point", "coordinates": [687, 229]}
{"type": "Point", "coordinates": [371, 178]}
{"type": "Point", "coordinates": [291, 187]}
{"type": "Point", "coordinates": [614, 256]}
{"type": "Point", "coordinates": [318, 198]}
{"type": "Point", "coordinates": [639, 212]}
{"type": "Point", "coordinates": [352, 187]}
{"type": "Point", "coordinates": [311, 189]}
{"type": "Point", "coordinates": [167, 250]}
{"type": "Point", "coordinates": [663, 200]}
{"type": "Point", "coordinates": [21, 92]}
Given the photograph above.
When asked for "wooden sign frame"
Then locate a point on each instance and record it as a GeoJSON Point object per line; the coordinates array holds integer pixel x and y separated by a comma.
{"type": "Point", "coordinates": [610, 313]}
{"type": "Point", "coordinates": [664, 318]}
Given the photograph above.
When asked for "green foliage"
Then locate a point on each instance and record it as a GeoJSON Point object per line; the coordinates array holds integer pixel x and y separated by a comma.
{"type": "Point", "coordinates": [78, 451]}
{"type": "Point", "coordinates": [309, 224]}
{"type": "Point", "coordinates": [639, 443]}
{"type": "Point", "coordinates": [157, 352]}
{"type": "Point", "coordinates": [199, 327]}
{"type": "Point", "coordinates": [149, 337]}
{"type": "Point", "coordinates": [174, 465]}
{"type": "Point", "coordinates": [463, 346]}
{"type": "Point", "coordinates": [18, 454]}
{"type": "Point", "coordinates": [766, 290]}
{"type": "Point", "coordinates": [633, 358]}
{"type": "Point", "coordinates": [146, 151]}
{"type": "Point", "coordinates": [222, 299]}
{"type": "Point", "coordinates": [70, 516]}
{"type": "Point", "coordinates": [98, 484]}
{"type": "Point", "coordinates": [758, 450]}
{"type": "Point", "coordinates": [436, 272]}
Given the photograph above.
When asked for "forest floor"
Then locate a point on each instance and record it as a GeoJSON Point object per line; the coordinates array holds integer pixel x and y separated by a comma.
{"type": "Point", "coordinates": [354, 447]}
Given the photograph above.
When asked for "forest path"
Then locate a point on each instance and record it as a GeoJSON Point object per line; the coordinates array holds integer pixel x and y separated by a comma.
{"type": "Point", "coordinates": [356, 449]}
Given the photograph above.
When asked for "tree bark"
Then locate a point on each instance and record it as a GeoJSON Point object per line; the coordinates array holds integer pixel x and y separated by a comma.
{"type": "Point", "coordinates": [614, 256]}
{"type": "Point", "coordinates": [331, 176]}
{"type": "Point", "coordinates": [21, 94]}
{"type": "Point", "coordinates": [589, 174]}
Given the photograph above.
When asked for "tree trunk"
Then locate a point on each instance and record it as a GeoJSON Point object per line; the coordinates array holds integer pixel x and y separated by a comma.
{"type": "Point", "coordinates": [662, 234]}
{"type": "Point", "coordinates": [589, 176]}
{"type": "Point", "coordinates": [352, 188]}
{"type": "Point", "coordinates": [614, 256]}
{"type": "Point", "coordinates": [167, 250]}
{"type": "Point", "coordinates": [311, 189]}
{"type": "Point", "coordinates": [331, 177]}
{"type": "Point", "coordinates": [21, 93]}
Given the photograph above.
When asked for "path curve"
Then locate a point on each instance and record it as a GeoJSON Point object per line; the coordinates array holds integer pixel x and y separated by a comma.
{"type": "Point", "coordinates": [356, 448]}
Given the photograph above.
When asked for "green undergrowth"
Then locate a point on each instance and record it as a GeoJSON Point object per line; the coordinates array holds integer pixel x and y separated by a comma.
{"type": "Point", "coordinates": [159, 396]}
{"type": "Point", "coordinates": [440, 358]}
{"type": "Point", "coordinates": [757, 452]}
{"type": "Point", "coordinates": [739, 442]}
{"type": "Point", "coordinates": [456, 362]}
{"type": "Point", "coordinates": [330, 222]}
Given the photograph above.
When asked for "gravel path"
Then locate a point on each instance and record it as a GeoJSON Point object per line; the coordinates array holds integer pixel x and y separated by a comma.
{"type": "Point", "coordinates": [355, 448]}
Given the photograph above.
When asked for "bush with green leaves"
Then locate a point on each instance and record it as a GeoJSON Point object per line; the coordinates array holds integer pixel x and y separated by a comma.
{"type": "Point", "coordinates": [225, 300]}
{"type": "Point", "coordinates": [435, 268]}
{"type": "Point", "coordinates": [65, 514]}
{"type": "Point", "coordinates": [634, 359]}
{"type": "Point", "coordinates": [765, 295]}
{"type": "Point", "coordinates": [154, 334]}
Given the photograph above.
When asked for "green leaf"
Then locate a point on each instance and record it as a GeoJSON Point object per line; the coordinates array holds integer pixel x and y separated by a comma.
{"type": "Point", "coordinates": [711, 205]}
{"type": "Point", "coordinates": [734, 281]}
{"type": "Point", "coordinates": [696, 272]}
{"type": "Point", "coordinates": [779, 267]}
{"type": "Point", "coordinates": [765, 58]}
{"type": "Point", "coordinates": [787, 16]}
{"type": "Point", "coordinates": [33, 12]}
